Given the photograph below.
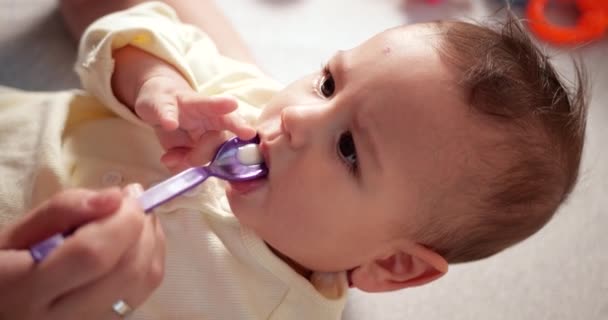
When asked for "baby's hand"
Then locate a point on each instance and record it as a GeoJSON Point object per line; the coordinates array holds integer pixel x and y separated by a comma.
{"type": "Point", "coordinates": [168, 104]}
{"type": "Point", "coordinates": [181, 117]}
{"type": "Point", "coordinates": [162, 97]}
{"type": "Point", "coordinates": [179, 159]}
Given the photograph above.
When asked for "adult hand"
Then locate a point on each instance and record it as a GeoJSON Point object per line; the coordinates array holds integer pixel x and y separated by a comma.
{"type": "Point", "coordinates": [116, 253]}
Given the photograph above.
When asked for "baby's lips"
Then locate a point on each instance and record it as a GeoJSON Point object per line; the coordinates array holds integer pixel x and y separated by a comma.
{"type": "Point", "coordinates": [265, 153]}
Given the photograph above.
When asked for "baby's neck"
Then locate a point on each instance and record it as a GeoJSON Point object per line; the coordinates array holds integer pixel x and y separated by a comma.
{"type": "Point", "coordinates": [326, 283]}
{"type": "Point", "coordinates": [294, 265]}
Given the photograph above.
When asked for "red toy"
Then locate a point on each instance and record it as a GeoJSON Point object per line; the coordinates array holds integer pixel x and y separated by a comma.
{"type": "Point", "coordinates": [591, 25]}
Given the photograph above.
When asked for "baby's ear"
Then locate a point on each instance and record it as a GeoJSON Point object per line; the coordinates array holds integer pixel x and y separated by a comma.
{"type": "Point", "coordinates": [413, 265]}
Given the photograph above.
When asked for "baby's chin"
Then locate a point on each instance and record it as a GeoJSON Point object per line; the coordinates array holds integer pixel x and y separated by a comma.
{"type": "Point", "coordinates": [246, 198]}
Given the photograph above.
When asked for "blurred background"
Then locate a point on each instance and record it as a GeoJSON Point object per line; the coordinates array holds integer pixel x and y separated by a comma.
{"type": "Point", "coordinates": [561, 273]}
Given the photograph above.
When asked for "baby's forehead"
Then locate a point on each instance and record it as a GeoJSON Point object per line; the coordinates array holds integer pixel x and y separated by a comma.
{"type": "Point", "coordinates": [400, 51]}
{"type": "Point", "coordinates": [427, 32]}
{"type": "Point", "coordinates": [408, 94]}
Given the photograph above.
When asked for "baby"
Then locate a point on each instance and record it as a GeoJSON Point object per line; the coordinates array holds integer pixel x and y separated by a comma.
{"type": "Point", "coordinates": [426, 145]}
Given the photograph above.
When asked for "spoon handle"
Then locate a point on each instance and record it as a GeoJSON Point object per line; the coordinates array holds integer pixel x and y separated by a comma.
{"type": "Point", "coordinates": [149, 200]}
{"type": "Point", "coordinates": [172, 187]}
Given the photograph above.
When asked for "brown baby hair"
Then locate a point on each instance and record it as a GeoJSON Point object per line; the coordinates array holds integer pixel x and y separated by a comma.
{"type": "Point", "coordinates": [512, 85]}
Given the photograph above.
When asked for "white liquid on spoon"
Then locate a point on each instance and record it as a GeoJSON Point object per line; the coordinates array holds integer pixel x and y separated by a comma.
{"type": "Point", "coordinates": [249, 154]}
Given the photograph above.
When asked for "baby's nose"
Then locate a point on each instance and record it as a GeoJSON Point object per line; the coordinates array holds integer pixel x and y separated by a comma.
{"type": "Point", "coordinates": [299, 123]}
{"type": "Point", "coordinates": [270, 129]}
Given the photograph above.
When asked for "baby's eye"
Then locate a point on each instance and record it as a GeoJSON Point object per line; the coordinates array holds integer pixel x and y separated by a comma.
{"type": "Point", "coordinates": [347, 151]}
{"type": "Point", "coordinates": [326, 85]}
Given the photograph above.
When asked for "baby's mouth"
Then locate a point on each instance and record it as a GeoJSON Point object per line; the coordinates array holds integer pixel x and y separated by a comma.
{"type": "Point", "coordinates": [244, 187]}
{"type": "Point", "coordinates": [263, 147]}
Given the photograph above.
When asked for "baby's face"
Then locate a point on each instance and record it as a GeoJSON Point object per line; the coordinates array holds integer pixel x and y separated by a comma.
{"type": "Point", "coordinates": [356, 152]}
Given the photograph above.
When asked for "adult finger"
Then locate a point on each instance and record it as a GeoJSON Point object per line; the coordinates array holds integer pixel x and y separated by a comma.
{"type": "Point", "coordinates": [141, 268]}
{"type": "Point", "coordinates": [16, 286]}
{"type": "Point", "coordinates": [64, 211]}
{"type": "Point", "coordinates": [92, 250]}
{"type": "Point", "coordinates": [15, 265]}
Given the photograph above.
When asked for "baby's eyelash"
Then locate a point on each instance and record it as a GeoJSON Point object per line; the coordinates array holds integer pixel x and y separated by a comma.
{"type": "Point", "coordinates": [325, 68]}
{"type": "Point", "coordinates": [317, 81]}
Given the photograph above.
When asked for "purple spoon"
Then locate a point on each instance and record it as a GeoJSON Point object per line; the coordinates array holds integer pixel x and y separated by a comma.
{"type": "Point", "coordinates": [225, 165]}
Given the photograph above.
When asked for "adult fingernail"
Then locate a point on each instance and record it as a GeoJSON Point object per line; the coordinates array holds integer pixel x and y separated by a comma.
{"type": "Point", "coordinates": [134, 190]}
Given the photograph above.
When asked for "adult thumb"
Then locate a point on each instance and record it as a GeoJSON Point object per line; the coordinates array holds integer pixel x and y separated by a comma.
{"type": "Point", "coordinates": [64, 211]}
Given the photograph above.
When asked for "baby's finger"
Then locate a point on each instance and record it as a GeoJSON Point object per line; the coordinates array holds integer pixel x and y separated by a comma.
{"type": "Point", "coordinates": [169, 115]}
{"type": "Point", "coordinates": [175, 159]}
{"type": "Point", "coordinates": [160, 113]}
{"type": "Point", "coordinates": [204, 150]}
{"type": "Point", "coordinates": [199, 113]}
{"type": "Point", "coordinates": [237, 125]}
{"type": "Point", "coordinates": [173, 139]}
{"type": "Point", "coordinates": [195, 104]}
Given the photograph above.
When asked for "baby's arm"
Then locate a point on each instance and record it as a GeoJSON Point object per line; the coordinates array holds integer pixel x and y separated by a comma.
{"type": "Point", "coordinates": [132, 68]}
{"type": "Point", "coordinates": [140, 60]}
{"type": "Point", "coordinates": [163, 98]}
{"type": "Point", "coordinates": [205, 14]}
